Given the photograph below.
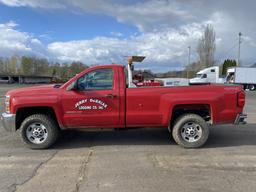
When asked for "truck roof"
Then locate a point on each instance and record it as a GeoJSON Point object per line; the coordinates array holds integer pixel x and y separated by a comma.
{"type": "Point", "coordinates": [112, 64]}
{"type": "Point", "coordinates": [207, 69]}
{"type": "Point", "coordinates": [107, 65]}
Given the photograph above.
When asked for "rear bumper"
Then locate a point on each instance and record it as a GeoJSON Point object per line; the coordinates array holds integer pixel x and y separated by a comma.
{"type": "Point", "coordinates": [240, 119]}
{"type": "Point", "coordinates": [8, 121]}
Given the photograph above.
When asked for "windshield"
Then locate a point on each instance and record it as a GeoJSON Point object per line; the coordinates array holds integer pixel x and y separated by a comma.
{"type": "Point", "coordinates": [202, 76]}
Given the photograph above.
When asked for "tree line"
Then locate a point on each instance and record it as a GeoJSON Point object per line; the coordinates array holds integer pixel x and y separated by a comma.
{"type": "Point", "coordinates": [29, 65]}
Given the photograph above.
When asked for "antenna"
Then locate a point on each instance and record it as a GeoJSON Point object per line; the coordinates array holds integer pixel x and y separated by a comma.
{"type": "Point", "coordinates": [239, 48]}
{"type": "Point", "coordinates": [189, 55]}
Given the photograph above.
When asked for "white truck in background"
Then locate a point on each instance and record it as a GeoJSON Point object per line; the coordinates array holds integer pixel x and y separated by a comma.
{"type": "Point", "coordinates": [207, 75]}
{"type": "Point", "coordinates": [245, 76]}
{"type": "Point", "coordinates": [170, 82]}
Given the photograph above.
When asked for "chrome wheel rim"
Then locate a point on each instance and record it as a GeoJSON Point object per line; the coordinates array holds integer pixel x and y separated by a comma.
{"type": "Point", "coordinates": [36, 133]}
{"type": "Point", "coordinates": [191, 132]}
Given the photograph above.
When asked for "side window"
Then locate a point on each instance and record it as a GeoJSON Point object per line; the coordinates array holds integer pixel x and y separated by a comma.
{"type": "Point", "coordinates": [213, 70]}
{"type": "Point", "coordinates": [100, 79]}
{"type": "Point", "coordinates": [204, 76]}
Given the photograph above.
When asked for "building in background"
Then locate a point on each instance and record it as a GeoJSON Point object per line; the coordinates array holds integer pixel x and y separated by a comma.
{"type": "Point", "coordinates": [24, 79]}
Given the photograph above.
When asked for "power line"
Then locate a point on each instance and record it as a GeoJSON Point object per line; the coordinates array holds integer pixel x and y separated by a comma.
{"type": "Point", "coordinates": [233, 47]}
{"type": "Point", "coordinates": [229, 50]}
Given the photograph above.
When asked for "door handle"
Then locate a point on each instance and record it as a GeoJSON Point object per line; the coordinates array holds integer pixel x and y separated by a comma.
{"type": "Point", "coordinates": [111, 96]}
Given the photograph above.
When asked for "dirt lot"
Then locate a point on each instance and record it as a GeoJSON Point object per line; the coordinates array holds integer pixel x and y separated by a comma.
{"type": "Point", "coordinates": [133, 160]}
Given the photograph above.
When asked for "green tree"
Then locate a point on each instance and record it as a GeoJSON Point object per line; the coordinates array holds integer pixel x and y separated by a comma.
{"type": "Point", "coordinates": [227, 64]}
{"type": "Point", "coordinates": [26, 65]}
{"type": "Point", "coordinates": [2, 66]}
{"type": "Point", "coordinates": [206, 47]}
{"type": "Point", "coordinates": [41, 66]}
{"type": "Point", "coordinates": [77, 67]}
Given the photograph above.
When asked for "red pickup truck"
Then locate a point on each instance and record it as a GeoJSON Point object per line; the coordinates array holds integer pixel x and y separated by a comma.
{"type": "Point", "coordinates": [102, 97]}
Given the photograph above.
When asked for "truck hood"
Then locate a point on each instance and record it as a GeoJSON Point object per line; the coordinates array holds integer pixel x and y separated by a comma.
{"type": "Point", "coordinates": [35, 90]}
{"type": "Point", "coordinates": [197, 80]}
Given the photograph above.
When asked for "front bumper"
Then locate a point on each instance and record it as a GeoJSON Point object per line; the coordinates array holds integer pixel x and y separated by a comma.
{"type": "Point", "coordinates": [8, 121]}
{"type": "Point", "coordinates": [240, 119]}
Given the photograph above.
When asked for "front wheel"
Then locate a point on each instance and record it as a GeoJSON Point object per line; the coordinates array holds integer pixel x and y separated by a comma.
{"type": "Point", "coordinates": [190, 131]}
{"type": "Point", "coordinates": [39, 131]}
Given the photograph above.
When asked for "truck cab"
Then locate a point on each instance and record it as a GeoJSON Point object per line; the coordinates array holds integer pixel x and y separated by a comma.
{"type": "Point", "coordinates": [207, 75]}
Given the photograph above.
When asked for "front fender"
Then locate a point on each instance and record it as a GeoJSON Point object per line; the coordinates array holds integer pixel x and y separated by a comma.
{"type": "Point", "coordinates": [51, 101]}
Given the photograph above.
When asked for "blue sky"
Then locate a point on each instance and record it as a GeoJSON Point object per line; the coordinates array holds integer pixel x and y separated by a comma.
{"type": "Point", "coordinates": [97, 31]}
{"type": "Point", "coordinates": [59, 25]}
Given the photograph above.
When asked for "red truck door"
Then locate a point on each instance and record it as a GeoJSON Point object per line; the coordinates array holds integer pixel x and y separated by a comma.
{"type": "Point", "coordinates": [95, 102]}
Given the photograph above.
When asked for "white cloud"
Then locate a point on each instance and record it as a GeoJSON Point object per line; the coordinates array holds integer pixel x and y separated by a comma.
{"type": "Point", "coordinates": [13, 41]}
{"type": "Point", "coordinates": [166, 28]}
{"type": "Point", "coordinates": [165, 48]}
{"type": "Point", "coordinates": [116, 34]}
{"type": "Point", "coordinates": [145, 15]}
{"type": "Point", "coordinates": [13, 3]}
{"type": "Point", "coordinates": [46, 4]}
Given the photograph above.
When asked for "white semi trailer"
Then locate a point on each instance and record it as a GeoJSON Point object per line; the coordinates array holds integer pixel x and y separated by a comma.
{"type": "Point", "coordinates": [245, 76]}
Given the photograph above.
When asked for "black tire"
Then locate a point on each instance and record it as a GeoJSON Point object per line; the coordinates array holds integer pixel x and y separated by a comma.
{"type": "Point", "coordinates": [48, 123]}
{"type": "Point", "coordinates": [178, 129]}
{"type": "Point", "coordinates": [252, 87]}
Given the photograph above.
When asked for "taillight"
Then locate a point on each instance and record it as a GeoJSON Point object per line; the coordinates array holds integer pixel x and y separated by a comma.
{"type": "Point", "coordinates": [240, 99]}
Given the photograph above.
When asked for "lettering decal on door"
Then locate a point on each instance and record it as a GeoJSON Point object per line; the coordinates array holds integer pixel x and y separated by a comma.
{"type": "Point", "coordinates": [91, 104]}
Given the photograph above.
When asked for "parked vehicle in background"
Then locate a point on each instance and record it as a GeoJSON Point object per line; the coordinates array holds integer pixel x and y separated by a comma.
{"type": "Point", "coordinates": [169, 82]}
{"type": "Point", "coordinates": [208, 75]}
{"type": "Point", "coordinates": [245, 76]}
{"type": "Point", "coordinates": [148, 83]}
{"type": "Point", "coordinates": [139, 81]}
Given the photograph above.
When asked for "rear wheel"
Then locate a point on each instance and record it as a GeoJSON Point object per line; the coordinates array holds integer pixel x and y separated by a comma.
{"type": "Point", "coordinates": [190, 131]}
{"type": "Point", "coordinates": [39, 131]}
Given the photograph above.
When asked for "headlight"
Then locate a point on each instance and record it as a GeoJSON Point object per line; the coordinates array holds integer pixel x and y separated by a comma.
{"type": "Point", "coordinates": [7, 104]}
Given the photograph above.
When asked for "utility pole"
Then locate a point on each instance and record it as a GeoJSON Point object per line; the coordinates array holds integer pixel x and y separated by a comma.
{"type": "Point", "coordinates": [239, 48]}
{"type": "Point", "coordinates": [189, 54]}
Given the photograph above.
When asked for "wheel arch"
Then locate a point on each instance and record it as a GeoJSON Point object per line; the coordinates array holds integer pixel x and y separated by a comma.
{"type": "Point", "coordinates": [24, 112]}
{"type": "Point", "coordinates": [203, 110]}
